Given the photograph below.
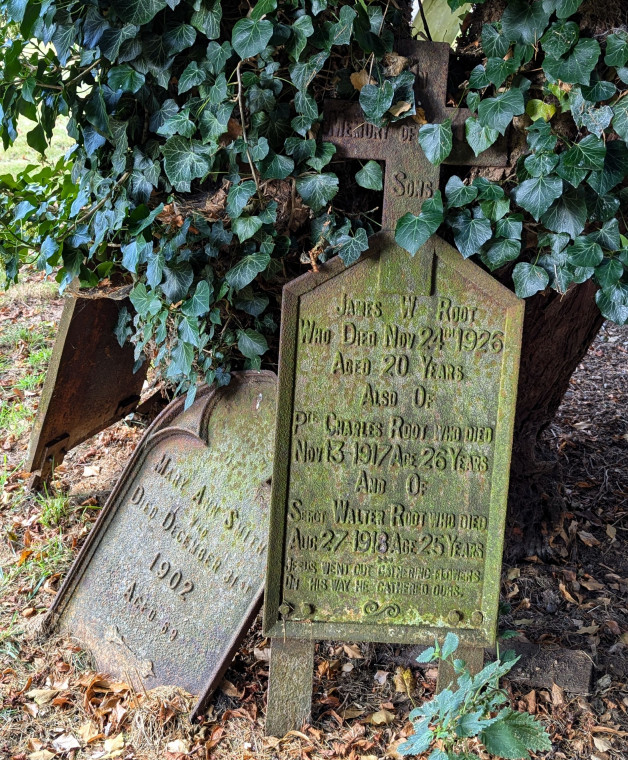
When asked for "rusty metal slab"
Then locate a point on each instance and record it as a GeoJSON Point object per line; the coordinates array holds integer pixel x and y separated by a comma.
{"type": "Point", "coordinates": [90, 382]}
{"type": "Point", "coordinates": [171, 576]}
{"type": "Point", "coordinates": [396, 401]}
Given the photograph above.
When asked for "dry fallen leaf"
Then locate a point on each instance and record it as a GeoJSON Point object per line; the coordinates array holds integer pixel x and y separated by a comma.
{"type": "Point", "coordinates": [513, 573]}
{"type": "Point", "coordinates": [381, 718]}
{"type": "Point", "coordinates": [404, 681]}
{"type": "Point", "coordinates": [42, 754]}
{"type": "Point", "coordinates": [352, 712]}
{"type": "Point", "coordinates": [42, 696]}
{"type": "Point", "coordinates": [88, 732]}
{"type": "Point", "coordinates": [226, 687]}
{"type": "Point", "coordinates": [353, 650]}
{"type": "Point", "coordinates": [178, 745]}
{"type": "Point", "coordinates": [401, 106]}
{"type": "Point", "coordinates": [262, 655]}
{"type": "Point", "coordinates": [66, 742]}
{"type": "Point", "coordinates": [91, 471]}
{"type": "Point", "coordinates": [558, 695]}
{"type": "Point", "coordinates": [588, 538]}
{"type": "Point", "coordinates": [381, 677]}
{"type": "Point", "coordinates": [565, 593]}
{"type": "Point", "coordinates": [611, 532]}
{"type": "Point", "coordinates": [114, 743]}
{"type": "Point", "coordinates": [592, 585]}
{"type": "Point", "coordinates": [360, 78]}
{"type": "Point", "coordinates": [589, 629]}
{"type": "Point", "coordinates": [601, 744]}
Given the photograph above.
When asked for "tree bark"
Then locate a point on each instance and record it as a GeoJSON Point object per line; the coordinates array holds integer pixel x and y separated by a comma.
{"type": "Point", "coordinates": [557, 331]}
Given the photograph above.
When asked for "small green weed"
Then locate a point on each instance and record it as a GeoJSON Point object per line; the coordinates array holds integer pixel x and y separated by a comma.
{"type": "Point", "coordinates": [54, 509]}
{"type": "Point", "coordinates": [28, 382]}
{"type": "Point", "coordinates": [475, 709]}
{"type": "Point", "coordinates": [15, 418]}
{"type": "Point", "coordinates": [40, 358]}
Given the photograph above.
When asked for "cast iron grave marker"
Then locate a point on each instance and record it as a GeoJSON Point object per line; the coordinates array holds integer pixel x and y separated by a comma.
{"type": "Point", "coordinates": [397, 388]}
{"type": "Point", "coordinates": [171, 576]}
{"type": "Point", "coordinates": [90, 383]}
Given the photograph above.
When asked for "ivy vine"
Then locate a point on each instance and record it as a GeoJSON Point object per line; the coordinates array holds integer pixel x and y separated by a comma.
{"type": "Point", "coordinates": [199, 172]}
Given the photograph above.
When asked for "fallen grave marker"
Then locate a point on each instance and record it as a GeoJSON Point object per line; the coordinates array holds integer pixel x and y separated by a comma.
{"type": "Point", "coordinates": [171, 576]}
{"type": "Point", "coordinates": [397, 388]}
{"type": "Point", "coordinates": [90, 383]}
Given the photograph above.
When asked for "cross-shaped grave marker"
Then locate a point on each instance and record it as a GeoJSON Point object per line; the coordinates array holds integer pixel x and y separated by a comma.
{"type": "Point", "coordinates": [410, 178]}
{"type": "Point", "coordinates": [397, 388]}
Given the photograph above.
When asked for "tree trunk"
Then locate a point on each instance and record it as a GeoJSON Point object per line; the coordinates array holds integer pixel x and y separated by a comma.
{"type": "Point", "coordinates": [558, 330]}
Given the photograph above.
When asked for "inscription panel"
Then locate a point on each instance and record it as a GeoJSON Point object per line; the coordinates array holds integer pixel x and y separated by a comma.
{"type": "Point", "coordinates": [173, 572]}
{"type": "Point", "coordinates": [392, 459]}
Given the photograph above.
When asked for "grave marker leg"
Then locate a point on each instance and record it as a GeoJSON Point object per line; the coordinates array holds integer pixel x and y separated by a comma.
{"type": "Point", "coordinates": [473, 656]}
{"type": "Point", "coordinates": [290, 685]}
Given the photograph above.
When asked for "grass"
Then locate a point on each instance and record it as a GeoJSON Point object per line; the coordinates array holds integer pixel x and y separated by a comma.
{"type": "Point", "coordinates": [20, 154]}
{"type": "Point", "coordinates": [45, 559]}
{"type": "Point", "coordinates": [54, 508]}
{"type": "Point", "coordinates": [15, 418]}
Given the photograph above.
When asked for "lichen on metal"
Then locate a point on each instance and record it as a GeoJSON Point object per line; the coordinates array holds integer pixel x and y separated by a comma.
{"type": "Point", "coordinates": [172, 574]}
{"type": "Point", "coordinates": [396, 400]}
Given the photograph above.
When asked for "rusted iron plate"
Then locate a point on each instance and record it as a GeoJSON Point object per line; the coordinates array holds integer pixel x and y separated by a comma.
{"type": "Point", "coordinates": [393, 450]}
{"type": "Point", "coordinates": [90, 382]}
{"type": "Point", "coordinates": [172, 574]}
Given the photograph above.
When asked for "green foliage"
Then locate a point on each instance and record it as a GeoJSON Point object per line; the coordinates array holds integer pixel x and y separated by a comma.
{"type": "Point", "coordinates": [474, 709]}
{"type": "Point", "coordinates": [194, 121]}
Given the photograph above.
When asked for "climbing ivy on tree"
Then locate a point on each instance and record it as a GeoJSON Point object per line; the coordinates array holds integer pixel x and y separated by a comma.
{"type": "Point", "coordinates": [200, 175]}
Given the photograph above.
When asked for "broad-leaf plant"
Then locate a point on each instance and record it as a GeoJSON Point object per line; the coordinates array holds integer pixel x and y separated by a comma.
{"type": "Point", "coordinates": [200, 175]}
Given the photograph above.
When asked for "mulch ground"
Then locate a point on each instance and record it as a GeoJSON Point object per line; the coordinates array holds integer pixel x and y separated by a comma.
{"type": "Point", "coordinates": [54, 705]}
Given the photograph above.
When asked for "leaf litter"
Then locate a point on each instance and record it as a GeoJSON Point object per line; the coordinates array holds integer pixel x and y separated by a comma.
{"type": "Point", "coordinates": [56, 705]}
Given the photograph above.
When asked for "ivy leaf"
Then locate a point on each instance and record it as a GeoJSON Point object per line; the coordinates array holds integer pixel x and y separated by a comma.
{"type": "Point", "coordinates": [436, 141]}
{"type": "Point", "coordinates": [251, 343]}
{"type": "Point", "coordinates": [125, 78]}
{"type": "Point", "coordinates": [192, 76]}
{"type": "Point", "coordinates": [616, 49]}
{"type": "Point", "coordinates": [178, 279]}
{"type": "Point", "coordinates": [179, 38]}
{"type": "Point", "coordinates": [184, 160]}
{"type": "Point", "coordinates": [263, 8]}
{"type": "Point", "coordinates": [612, 305]}
{"type": "Point", "coordinates": [540, 164]}
{"type": "Point", "coordinates": [528, 280]}
{"type": "Point", "coordinates": [181, 358]}
{"type": "Point", "coordinates": [351, 246]}
{"type": "Point", "coordinates": [317, 189]}
{"type": "Point", "coordinates": [510, 227]}
{"type": "Point", "coordinates": [341, 30]}
{"type": "Point", "coordinates": [498, 70]}
{"type": "Point", "coordinates": [609, 273]}
{"type": "Point", "coordinates": [375, 101]}
{"type": "Point", "coordinates": [563, 8]}
{"type": "Point", "coordinates": [560, 38]}
{"type": "Point", "coordinates": [458, 194]}
{"type": "Point", "coordinates": [251, 303]}
{"type": "Point", "coordinates": [145, 303]}
{"type": "Point", "coordinates": [470, 233]}
{"type": "Point", "coordinates": [576, 67]}
{"type": "Point", "coordinates": [479, 138]}
{"type": "Point", "coordinates": [238, 197]}
{"type": "Point", "coordinates": [516, 733]}
{"type": "Point", "coordinates": [198, 304]}
{"type": "Point", "coordinates": [494, 43]}
{"type": "Point", "coordinates": [539, 109]}
{"type": "Point", "coordinates": [568, 214]}
{"type": "Point", "coordinates": [497, 113]}
{"type": "Point", "coordinates": [608, 236]}
{"type": "Point", "coordinates": [585, 252]}
{"type": "Point", "coordinates": [524, 22]}
{"type": "Point", "coordinates": [250, 36]}
{"type": "Point", "coordinates": [585, 114]}
{"type": "Point", "coordinates": [587, 154]}
{"type": "Point", "coordinates": [245, 271]}
{"type": "Point", "coordinates": [276, 166]}
{"type": "Point", "coordinates": [370, 176]}
{"type": "Point", "coordinates": [535, 195]}
{"type": "Point", "coordinates": [138, 11]}
{"type": "Point", "coordinates": [501, 253]}
{"type": "Point", "coordinates": [411, 232]}
{"type": "Point", "coordinates": [246, 226]}
{"type": "Point", "coordinates": [620, 118]}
